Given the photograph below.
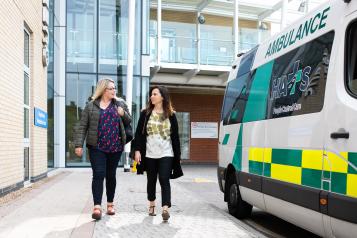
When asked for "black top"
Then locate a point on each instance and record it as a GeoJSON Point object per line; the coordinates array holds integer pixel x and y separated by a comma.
{"type": "Point", "coordinates": [139, 144]}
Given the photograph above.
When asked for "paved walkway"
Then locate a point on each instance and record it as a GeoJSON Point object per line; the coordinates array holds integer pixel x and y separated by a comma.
{"type": "Point", "coordinates": [60, 206]}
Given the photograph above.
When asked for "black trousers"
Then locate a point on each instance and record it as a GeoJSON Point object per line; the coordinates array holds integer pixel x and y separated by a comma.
{"type": "Point", "coordinates": [104, 165]}
{"type": "Point", "coordinates": [159, 167]}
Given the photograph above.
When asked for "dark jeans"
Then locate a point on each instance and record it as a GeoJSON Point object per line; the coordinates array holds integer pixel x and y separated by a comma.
{"type": "Point", "coordinates": [104, 165]}
{"type": "Point", "coordinates": [161, 167]}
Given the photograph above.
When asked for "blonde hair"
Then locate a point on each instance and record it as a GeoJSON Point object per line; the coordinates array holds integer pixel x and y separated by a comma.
{"type": "Point", "coordinates": [102, 85]}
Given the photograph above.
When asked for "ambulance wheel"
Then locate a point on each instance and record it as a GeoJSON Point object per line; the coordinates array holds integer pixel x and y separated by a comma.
{"type": "Point", "coordinates": [236, 206]}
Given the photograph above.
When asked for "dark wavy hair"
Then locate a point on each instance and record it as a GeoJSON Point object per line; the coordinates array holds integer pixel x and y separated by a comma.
{"type": "Point", "coordinates": [166, 102]}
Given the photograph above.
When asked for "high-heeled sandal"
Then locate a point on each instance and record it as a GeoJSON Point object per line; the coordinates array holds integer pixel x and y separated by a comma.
{"type": "Point", "coordinates": [152, 210]}
{"type": "Point", "coordinates": [110, 209]}
{"type": "Point", "coordinates": [97, 215]}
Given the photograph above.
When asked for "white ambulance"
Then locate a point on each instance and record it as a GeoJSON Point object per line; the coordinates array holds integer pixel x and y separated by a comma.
{"type": "Point", "coordinates": [288, 130]}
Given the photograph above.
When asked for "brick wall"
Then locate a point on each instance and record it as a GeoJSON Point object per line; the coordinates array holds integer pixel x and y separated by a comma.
{"type": "Point", "coordinates": [202, 108]}
{"type": "Point", "coordinates": [13, 17]}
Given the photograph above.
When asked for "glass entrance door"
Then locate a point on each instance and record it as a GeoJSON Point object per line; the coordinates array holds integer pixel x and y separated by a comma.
{"type": "Point", "coordinates": [183, 120]}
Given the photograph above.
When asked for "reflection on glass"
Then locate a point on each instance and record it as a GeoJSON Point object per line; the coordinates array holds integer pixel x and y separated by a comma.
{"type": "Point", "coordinates": [81, 35]}
{"type": "Point", "coordinates": [113, 37]}
{"type": "Point", "coordinates": [26, 49]}
{"type": "Point", "coordinates": [119, 83]}
{"type": "Point", "coordinates": [79, 88]}
{"type": "Point", "coordinates": [26, 123]}
{"type": "Point", "coordinates": [26, 89]}
{"type": "Point", "coordinates": [50, 87]}
{"type": "Point", "coordinates": [217, 46]}
{"type": "Point", "coordinates": [26, 163]}
{"type": "Point", "coordinates": [145, 27]}
{"type": "Point", "coordinates": [178, 42]}
{"type": "Point", "coordinates": [50, 123]}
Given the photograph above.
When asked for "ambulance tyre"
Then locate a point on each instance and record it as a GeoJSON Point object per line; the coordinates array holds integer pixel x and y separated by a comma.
{"type": "Point", "coordinates": [236, 206]}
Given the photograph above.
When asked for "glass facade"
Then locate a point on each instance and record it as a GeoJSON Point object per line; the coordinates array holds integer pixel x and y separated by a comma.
{"type": "Point", "coordinates": [179, 40]}
{"type": "Point", "coordinates": [97, 39]}
{"type": "Point", "coordinates": [50, 86]}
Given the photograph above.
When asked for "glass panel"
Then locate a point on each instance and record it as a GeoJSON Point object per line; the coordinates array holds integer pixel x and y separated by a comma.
{"type": "Point", "coordinates": [145, 28]}
{"type": "Point", "coordinates": [26, 163]}
{"type": "Point", "coordinates": [120, 83]}
{"type": "Point", "coordinates": [352, 59]}
{"type": "Point", "coordinates": [26, 49]}
{"type": "Point", "coordinates": [183, 120]}
{"type": "Point", "coordinates": [298, 79]}
{"type": "Point", "coordinates": [217, 46]}
{"type": "Point", "coordinates": [235, 99]}
{"type": "Point", "coordinates": [81, 36]}
{"type": "Point", "coordinates": [26, 89]}
{"type": "Point", "coordinates": [217, 52]}
{"type": "Point", "coordinates": [50, 113]}
{"type": "Point", "coordinates": [138, 46]}
{"type": "Point", "coordinates": [178, 49]}
{"type": "Point", "coordinates": [50, 85]}
{"type": "Point", "coordinates": [249, 38]}
{"type": "Point", "coordinates": [145, 83]}
{"type": "Point", "coordinates": [26, 123]}
{"type": "Point", "coordinates": [153, 41]}
{"type": "Point", "coordinates": [140, 92]}
{"type": "Point", "coordinates": [178, 43]}
{"type": "Point", "coordinates": [79, 87]}
{"type": "Point", "coordinates": [113, 36]}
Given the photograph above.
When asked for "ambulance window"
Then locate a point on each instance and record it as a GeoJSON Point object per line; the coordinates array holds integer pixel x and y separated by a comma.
{"type": "Point", "coordinates": [235, 99]}
{"type": "Point", "coordinates": [247, 62]}
{"type": "Point", "coordinates": [351, 57]}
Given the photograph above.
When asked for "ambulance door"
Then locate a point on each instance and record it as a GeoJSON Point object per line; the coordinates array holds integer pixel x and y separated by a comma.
{"type": "Point", "coordinates": [295, 133]}
{"type": "Point", "coordinates": [340, 156]}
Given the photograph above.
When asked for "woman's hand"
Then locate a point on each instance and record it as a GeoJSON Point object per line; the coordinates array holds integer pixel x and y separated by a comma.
{"type": "Point", "coordinates": [78, 151]}
{"type": "Point", "coordinates": [137, 157]}
{"type": "Point", "coordinates": [121, 111]}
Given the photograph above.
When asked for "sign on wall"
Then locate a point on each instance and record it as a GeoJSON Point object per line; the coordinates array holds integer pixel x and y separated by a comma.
{"type": "Point", "coordinates": [40, 118]}
{"type": "Point", "coordinates": [204, 130]}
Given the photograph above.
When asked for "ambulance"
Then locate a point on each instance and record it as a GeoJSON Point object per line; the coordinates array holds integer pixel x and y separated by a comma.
{"type": "Point", "coordinates": [288, 129]}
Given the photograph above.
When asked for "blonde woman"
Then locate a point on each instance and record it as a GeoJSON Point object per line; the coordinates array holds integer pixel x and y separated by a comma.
{"type": "Point", "coordinates": [102, 124]}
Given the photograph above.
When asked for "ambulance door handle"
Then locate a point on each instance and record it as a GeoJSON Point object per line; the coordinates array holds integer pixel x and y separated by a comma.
{"type": "Point", "coordinates": [340, 135]}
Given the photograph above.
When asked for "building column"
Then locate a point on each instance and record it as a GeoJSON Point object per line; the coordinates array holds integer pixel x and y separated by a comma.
{"type": "Point", "coordinates": [60, 86]}
{"type": "Point", "coordinates": [259, 31]}
{"type": "Point", "coordinates": [129, 72]}
{"type": "Point", "coordinates": [236, 29]}
{"type": "Point", "coordinates": [158, 46]}
{"type": "Point", "coordinates": [284, 10]}
{"type": "Point", "coordinates": [307, 2]}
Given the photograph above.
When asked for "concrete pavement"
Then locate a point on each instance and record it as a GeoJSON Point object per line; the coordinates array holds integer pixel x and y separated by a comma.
{"type": "Point", "coordinates": [61, 205]}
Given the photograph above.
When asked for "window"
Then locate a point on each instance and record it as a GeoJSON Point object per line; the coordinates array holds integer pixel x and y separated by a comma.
{"type": "Point", "coordinates": [26, 49]}
{"type": "Point", "coordinates": [236, 99]}
{"type": "Point", "coordinates": [290, 85]}
{"type": "Point", "coordinates": [26, 85]}
{"type": "Point", "coordinates": [247, 61]}
{"type": "Point", "coordinates": [26, 105]}
{"type": "Point", "coordinates": [351, 58]}
{"type": "Point", "coordinates": [298, 79]}
{"type": "Point", "coordinates": [237, 91]}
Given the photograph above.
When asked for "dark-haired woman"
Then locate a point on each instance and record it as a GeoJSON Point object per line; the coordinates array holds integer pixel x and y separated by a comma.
{"type": "Point", "coordinates": [157, 147]}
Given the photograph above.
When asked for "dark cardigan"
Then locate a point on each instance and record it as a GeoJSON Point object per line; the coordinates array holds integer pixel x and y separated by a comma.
{"type": "Point", "coordinates": [139, 144]}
